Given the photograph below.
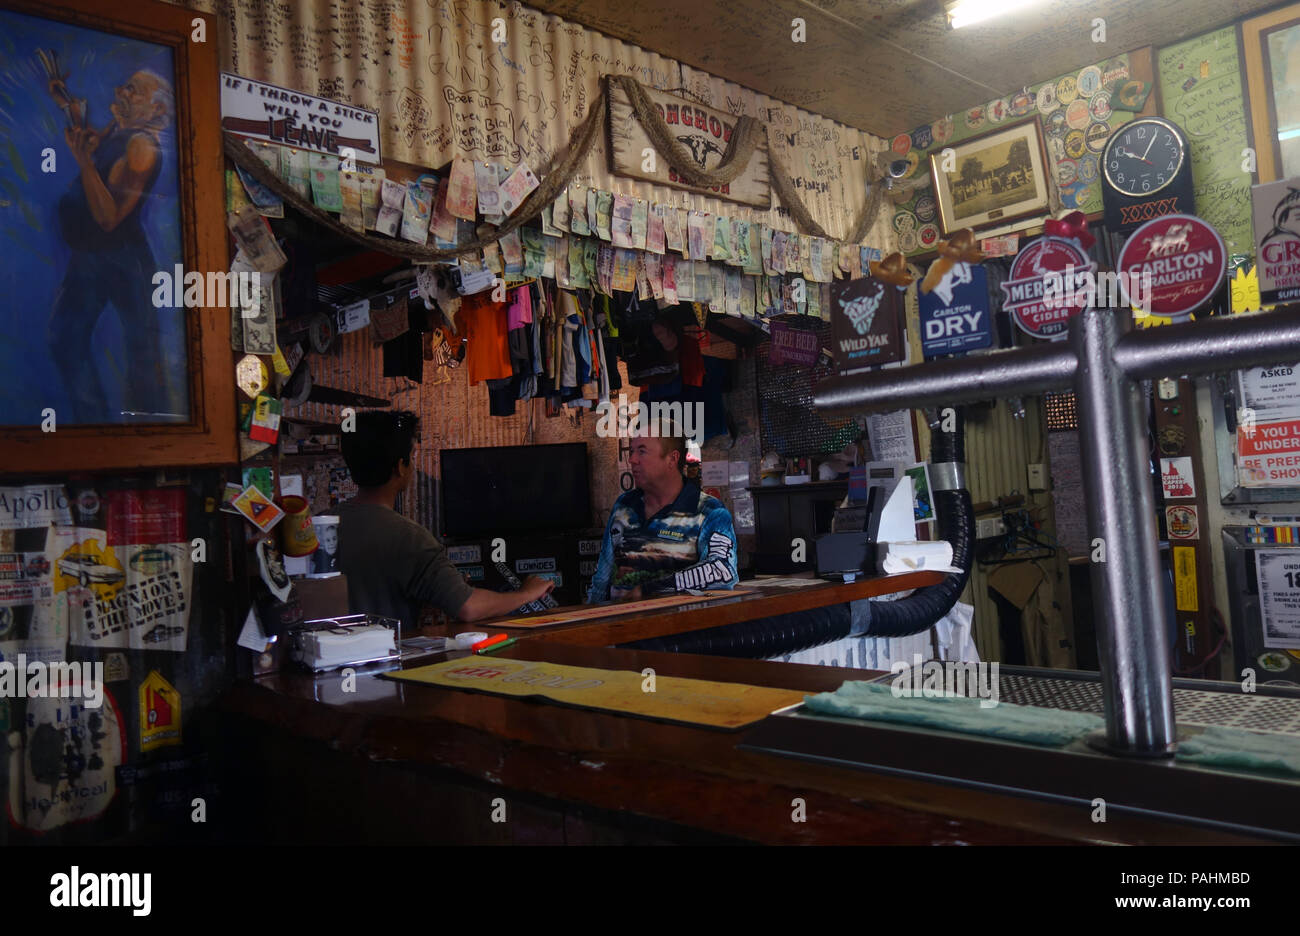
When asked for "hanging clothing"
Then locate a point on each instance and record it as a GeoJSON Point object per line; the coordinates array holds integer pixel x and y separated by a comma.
{"type": "Point", "coordinates": [404, 355]}
{"type": "Point", "coordinates": [502, 395]}
{"type": "Point", "coordinates": [520, 310]}
{"type": "Point", "coordinates": [691, 360]}
{"type": "Point", "coordinates": [604, 369]}
{"type": "Point", "coordinates": [483, 324]}
{"type": "Point", "coordinates": [568, 358]}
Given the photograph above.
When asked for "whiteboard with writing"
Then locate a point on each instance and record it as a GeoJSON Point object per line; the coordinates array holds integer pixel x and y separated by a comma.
{"type": "Point", "coordinates": [1200, 89]}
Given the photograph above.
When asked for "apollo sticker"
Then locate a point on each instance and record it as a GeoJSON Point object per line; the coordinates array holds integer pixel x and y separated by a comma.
{"type": "Point", "coordinates": [955, 313]}
{"type": "Point", "coordinates": [1047, 258]}
{"type": "Point", "coordinates": [530, 566]}
{"type": "Point", "coordinates": [1181, 522]}
{"type": "Point", "coordinates": [36, 505]}
{"type": "Point", "coordinates": [1185, 259]}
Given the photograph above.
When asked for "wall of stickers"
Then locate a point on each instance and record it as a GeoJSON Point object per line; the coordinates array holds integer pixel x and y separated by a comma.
{"type": "Point", "coordinates": [1200, 91]}
{"type": "Point", "coordinates": [447, 81]}
{"type": "Point", "coordinates": [1077, 117]}
{"type": "Point", "coordinates": [127, 577]}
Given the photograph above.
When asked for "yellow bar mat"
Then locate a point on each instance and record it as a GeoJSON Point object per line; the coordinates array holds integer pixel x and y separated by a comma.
{"type": "Point", "coordinates": [667, 698]}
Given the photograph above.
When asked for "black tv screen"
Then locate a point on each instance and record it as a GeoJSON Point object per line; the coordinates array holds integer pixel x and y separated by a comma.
{"type": "Point", "coordinates": [515, 489]}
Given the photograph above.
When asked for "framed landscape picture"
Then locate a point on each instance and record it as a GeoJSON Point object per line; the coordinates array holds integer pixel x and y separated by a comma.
{"type": "Point", "coordinates": [993, 179]}
{"type": "Point", "coordinates": [113, 178]}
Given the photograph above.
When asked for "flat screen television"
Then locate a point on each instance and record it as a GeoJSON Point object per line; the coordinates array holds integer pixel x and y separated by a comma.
{"type": "Point", "coordinates": [515, 489]}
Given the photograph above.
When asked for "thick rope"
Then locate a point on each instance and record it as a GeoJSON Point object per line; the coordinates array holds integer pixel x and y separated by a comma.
{"type": "Point", "coordinates": [558, 175]}
{"type": "Point", "coordinates": [793, 204]}
{"type": "Point", "coordinates": [555, 181]}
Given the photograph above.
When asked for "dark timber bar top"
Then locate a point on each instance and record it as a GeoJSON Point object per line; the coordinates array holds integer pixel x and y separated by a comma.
{"type": "Point", "coordinates": [765, 601]}
{"type": "Point", "coordinates": [436, 759]}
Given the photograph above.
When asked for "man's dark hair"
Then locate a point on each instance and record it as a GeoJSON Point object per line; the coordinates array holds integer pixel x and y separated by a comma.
{"type": "Point", "coordinates": [672, 439]}
{"type": "Point", "coordinates": [382, 439]}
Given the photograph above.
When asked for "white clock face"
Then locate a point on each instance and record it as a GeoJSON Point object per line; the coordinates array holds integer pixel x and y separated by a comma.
{"type": "Point", "coordinates": [1143, 157]}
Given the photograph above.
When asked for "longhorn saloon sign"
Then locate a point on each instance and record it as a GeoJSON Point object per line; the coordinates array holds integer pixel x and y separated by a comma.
{"type": "Point", "coordinates": [702, 131]}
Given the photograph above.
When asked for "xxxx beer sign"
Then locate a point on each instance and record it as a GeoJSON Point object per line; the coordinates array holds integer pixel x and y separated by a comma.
{"type": "Point", "coordinates": [1184, 259]}
{"type": "Point", "coordinates": [1048, 260]}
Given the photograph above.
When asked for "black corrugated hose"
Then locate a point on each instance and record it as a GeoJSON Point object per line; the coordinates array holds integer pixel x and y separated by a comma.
{"type": "Point", "coordinates": [788, 633]}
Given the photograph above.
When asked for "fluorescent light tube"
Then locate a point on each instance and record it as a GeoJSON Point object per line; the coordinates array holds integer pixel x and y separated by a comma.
{"type": "Point", "coordinates": [966, 12]}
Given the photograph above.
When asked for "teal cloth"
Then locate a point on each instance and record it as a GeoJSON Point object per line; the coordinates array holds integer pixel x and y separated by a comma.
{"type": "Point", "coordinates": [1232, 747]}
{"type": "Point", "coordinates": [1030, 724]}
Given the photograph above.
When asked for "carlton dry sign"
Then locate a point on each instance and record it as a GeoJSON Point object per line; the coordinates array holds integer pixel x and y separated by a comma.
{"type": "Point", "coordinates": [1184, 259]}
{"type": "Point", "coordinates": [1277, 240]}
{"type": "Point", "coordinates": [955, 314]}
{"type": "Point", "coordinates": [1047, 259]}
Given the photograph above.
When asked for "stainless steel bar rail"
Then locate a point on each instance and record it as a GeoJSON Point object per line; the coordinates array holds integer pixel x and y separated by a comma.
{"type": "Point", "coordinates": [1103, 362]}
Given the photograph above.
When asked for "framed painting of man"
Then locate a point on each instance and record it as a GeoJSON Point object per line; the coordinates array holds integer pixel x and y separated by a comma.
{"type": "Point", "coordinates": [111, 182]}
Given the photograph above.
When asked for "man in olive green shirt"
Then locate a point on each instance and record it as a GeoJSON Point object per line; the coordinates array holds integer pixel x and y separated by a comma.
{"type": "Point", "coordinates": [394, 566]}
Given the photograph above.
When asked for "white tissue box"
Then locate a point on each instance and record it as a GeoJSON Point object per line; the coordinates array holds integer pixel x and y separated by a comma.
{"type": "Point", "coordinates": [348, 641]}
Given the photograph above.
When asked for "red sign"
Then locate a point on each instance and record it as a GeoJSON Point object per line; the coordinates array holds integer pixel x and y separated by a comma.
{"type": "Point", "coordinates": [1048, 259]}
{"type": "Point", "coordinates": [1184, 258]}
{"type": "Point", "coordinates": [146, 516]}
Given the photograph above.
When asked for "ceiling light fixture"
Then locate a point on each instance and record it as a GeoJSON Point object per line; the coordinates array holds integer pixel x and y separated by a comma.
{"type": "Point", "coordinates": [966, 12]}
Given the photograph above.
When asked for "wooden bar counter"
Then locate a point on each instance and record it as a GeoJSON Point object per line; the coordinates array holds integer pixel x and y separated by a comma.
{"type": "Point", "coordinates": [398, 762]}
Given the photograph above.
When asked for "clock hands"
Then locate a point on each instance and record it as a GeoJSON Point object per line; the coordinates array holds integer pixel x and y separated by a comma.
{"type": "Point", "coordinates": [1125, 152]}
{"type": "Point", "coordinates": [1149, 145]}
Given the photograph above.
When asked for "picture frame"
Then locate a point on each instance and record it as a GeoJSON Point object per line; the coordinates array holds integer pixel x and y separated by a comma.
{"type": "Point", "coordinates": [1271, 54]}
{"type": "Point", "coordinates": [998, 177]}
{"type": "Point", "coordinates": [119, 127]}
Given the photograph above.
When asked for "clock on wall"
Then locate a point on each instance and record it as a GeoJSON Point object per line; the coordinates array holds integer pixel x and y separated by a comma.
{"type": "Point", "coordinates": [1146, 172]}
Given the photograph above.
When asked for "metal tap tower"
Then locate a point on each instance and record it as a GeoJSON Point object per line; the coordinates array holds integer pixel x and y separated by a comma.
{"type": "Point", "coordinates": [1104, 362]}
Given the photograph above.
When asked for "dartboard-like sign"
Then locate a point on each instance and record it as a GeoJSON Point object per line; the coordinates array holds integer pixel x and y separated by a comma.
{"type": "Point", "coordinates": [1184, 259]}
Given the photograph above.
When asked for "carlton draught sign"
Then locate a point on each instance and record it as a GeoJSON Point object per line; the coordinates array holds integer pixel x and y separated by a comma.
{"type": "Point", "coordinates": [1184, 258]}
{"type": "Point", "coordinates": [1048, 259]}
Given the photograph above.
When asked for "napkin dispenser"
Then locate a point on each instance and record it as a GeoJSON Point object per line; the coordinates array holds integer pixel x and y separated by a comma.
{"type": "Point", "coordinates": [348, 640]}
